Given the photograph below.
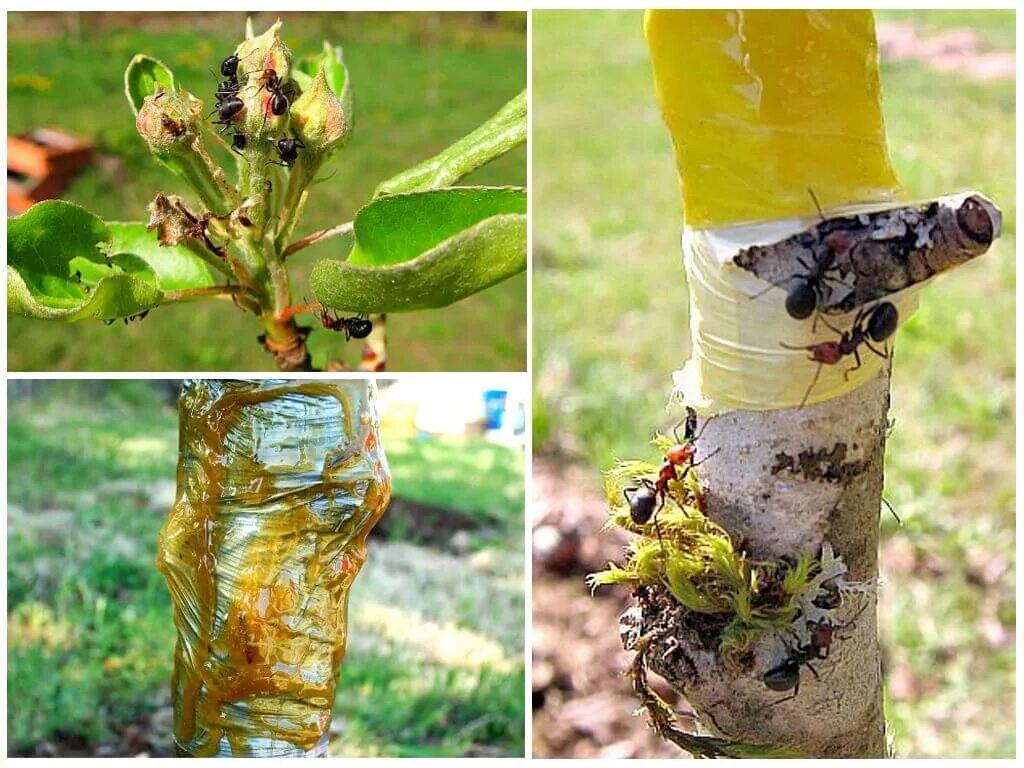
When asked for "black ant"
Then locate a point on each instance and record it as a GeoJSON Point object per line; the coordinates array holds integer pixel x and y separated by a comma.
{"type": "Point", "coordinates": [229, 67]}
{"type": "Point", "coordinates": [198, 230]}
{"type": "Point", "coordinates": [356, 327]}
{"type": "Point", "coordinates": [808, 290]}
{"type": "Point", "coordinates": [228, 104]}
{"type": "Point", "coordinates": [238, 142]}
{"type": "Point", "coordinates": [227, 111]}
{"type": "Point", "coordinates": [288, 151]}
{"type": "Point", "coordinates": [278, 91]}
{"type": "Point", "coordinates": [785, 676]}
{"type": "Point", "coordinates": [648, 499]}
{"type": "Point", "coordinates": [876, 324]}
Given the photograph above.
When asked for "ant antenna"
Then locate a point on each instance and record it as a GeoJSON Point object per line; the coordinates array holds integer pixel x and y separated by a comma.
{"type": "Point", "coordinates": [816, 203]}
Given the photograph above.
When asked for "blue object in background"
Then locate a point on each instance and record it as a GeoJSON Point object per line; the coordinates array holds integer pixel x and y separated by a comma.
{"type": "Point", "coordinates": [494, 407]}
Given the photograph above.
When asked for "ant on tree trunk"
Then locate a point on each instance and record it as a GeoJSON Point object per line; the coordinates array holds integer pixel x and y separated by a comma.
{"type": "Point", "coordinates": [647, 499]}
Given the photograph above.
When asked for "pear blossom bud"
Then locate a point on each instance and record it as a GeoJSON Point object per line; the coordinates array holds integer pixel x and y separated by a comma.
{"type": "Point", "coordinates": [169, 120]}
{"type": "Point", "coordinates": [319, 118]}
{"type": "Point", "coordinates": [264, 73]}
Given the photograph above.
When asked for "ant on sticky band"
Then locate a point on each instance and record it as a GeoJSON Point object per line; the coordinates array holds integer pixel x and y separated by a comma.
{"type": "Point", "coordinates": [876, 324]}
{"type": "Point", "coordinates": [808, 289]}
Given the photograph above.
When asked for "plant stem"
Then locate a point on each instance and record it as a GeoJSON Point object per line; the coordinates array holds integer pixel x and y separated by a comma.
{"type": "Point", "coordinates": [278, 274]}
{"type": "Point", "coordinates": [199, 249]}
{"type": "Point", "coordinates": [217, 291]}
{"type": "Point", "coordinates": [316, 237]}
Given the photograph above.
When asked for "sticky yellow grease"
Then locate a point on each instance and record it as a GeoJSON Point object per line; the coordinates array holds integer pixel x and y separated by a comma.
{"type": "Point", "coordinates": [764, 105]}
{"type": "Point", "coordinates": [279, 485]}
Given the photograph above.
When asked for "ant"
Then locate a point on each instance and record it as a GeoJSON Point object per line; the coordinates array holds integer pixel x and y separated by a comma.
{"type": "Point", "coordinates": [357, 327]}
{"type": "Point", "coordinates": [228, 104]}
{"type": "Point", "coordinates": [647, 500]}
{"type": "Point", "coordinates": [808, 292]}
{"type": "Point", "coordinates": [238, 142]}
{"type": "Point", "coordinates": [199, 224]}
{"type": "Point", "coordinates": [229, 67]}
{"type": "Point", "coordinates": [288, 151]}
{"type": "Point", "coordinates": [785, 676]}
{"type": "Point", "coordinates": [279, 93]}
{"type": "Point", "coordinates": [876, 324]}
{"type": "Point", "coordinates": [227, 111]}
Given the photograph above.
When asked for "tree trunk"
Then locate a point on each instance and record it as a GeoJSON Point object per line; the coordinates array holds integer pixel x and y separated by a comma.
{"type": "Point", "coordinates": [787, 482]}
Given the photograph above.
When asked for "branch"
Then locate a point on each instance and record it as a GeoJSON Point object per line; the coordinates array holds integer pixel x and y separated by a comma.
{"type": "Point", "coordinates": [316, 237]}
{"type": "Point", "coordinates": [878, 253]}
{"type": "Point", "coordinates": [213, 291]}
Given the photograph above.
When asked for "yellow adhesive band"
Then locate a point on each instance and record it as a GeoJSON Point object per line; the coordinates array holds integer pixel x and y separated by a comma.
{"type": "Point", "coordinates": [763, 105]}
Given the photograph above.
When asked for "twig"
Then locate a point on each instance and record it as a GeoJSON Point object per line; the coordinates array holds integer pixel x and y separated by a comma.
{"type": "Point", "coordinates": [316, 237]}
{"type": "Point", "coordinates": [214, 291]}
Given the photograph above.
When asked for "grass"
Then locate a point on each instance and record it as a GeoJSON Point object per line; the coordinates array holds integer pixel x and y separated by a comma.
{"type": "Point", "coordinates": [610, 320]}
{"type": "Point", "coordinates": [421, 81]}
{"type": "Point", "coordinates": [435, 655]}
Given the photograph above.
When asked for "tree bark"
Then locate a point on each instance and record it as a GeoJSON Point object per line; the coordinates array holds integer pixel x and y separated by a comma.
{"type": "Point", "coordinates": [786, 482]}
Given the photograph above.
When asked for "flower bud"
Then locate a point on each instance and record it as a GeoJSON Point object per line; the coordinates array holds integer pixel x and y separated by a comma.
{"type": "Point", "coordinates": [264, 73]}
{"type": "Point", "coordinates": [319, 118]}
{"type": "Point", "coordinates": [169, 120]}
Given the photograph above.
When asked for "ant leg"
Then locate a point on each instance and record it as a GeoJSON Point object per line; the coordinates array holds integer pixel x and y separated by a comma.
{"type": "Point", "coordinates": [814, 381]}
{"type": "Point", "coordinates": [774, 284]}
{"type": "Point", "coordinates": [675, 429]}
{"type": "Point", "coordinates": [893, 511]}
{"type": "Point", "coordinates": [856, 356]}
{"type": "Point", "coordinates": [698, 463]}
{"type": "Point", "coordinates": [813, 671]}
{"type": "Point", "coordinates": [796, 690]}
{"type": "Point", "coordinates": [884, 355]}
{"type": "Point", "coordinates": [832, 327]}
{"type": "Point", "coordinates": [816, 203]}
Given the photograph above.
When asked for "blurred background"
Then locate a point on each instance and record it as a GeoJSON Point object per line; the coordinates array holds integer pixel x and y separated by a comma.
{"type": "Point", "coordinates": [435, 655]}
{"type": "Point", "coordinates": [421, 81]}
{"type": "Point", "coordinates": [610, 324]}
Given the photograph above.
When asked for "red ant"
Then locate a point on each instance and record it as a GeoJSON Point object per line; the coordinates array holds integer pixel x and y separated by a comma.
{"type": "Point", "coordinates": [647, 500]}
{"type": "Point", "coordinates": [876, 324]}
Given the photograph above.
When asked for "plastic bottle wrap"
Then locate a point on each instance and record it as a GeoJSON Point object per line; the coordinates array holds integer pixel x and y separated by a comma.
{"type": "Point", "coordinates": [279, 484]}
{"type": "Point", "coordinates": [765, 107]}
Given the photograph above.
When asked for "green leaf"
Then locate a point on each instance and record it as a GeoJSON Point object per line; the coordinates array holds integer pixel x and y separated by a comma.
{"type": "Point", "coordinates": [176, 267]}
{"type": "Point", "coordinates": [425, 250]}
{"type": "Point", "coordinates": [58, 270]}
{"type": "Point", "coordinates": [333, 62]}
{"type": "Point", "coordinates": [503, 132]}
{"type": "Point", "coordinates": [141, 78]}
